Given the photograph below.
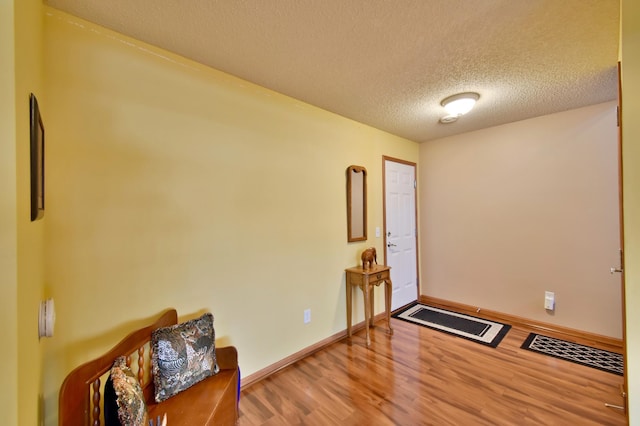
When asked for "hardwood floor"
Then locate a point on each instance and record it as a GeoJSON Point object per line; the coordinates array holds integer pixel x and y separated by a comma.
{"type": "Point", "coordinates": [419, 376]}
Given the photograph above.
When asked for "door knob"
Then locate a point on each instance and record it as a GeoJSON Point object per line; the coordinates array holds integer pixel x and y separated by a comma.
{"type": "Point", "coordinates": [393, 245]}
{"type": "Point", "coordinates": [612, 270]}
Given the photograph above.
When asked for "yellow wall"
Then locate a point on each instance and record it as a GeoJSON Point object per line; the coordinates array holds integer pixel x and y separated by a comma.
{"type": "Point", "coordinates": [630, 60]}
{"type": "Point", "coordinates": [8, 236]}
{"type": "Point", "coordinates": [512, 211]}
{"type": "Point", "coordinates": [21, 242]}
{"type": "Point", "coordinates": [172, 184]}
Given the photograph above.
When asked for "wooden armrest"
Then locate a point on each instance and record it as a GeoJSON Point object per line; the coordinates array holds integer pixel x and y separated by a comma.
{"type": "Point", "coordinates": [227, 358]}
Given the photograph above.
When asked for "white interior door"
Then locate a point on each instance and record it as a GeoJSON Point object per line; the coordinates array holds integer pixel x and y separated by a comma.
{"type": "Point", "coordinates": [400, 230]}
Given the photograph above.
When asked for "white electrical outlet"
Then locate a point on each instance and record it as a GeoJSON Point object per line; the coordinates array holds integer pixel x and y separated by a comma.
{"type": "Point", "coordinates": [307, 316]}
{"type": "Point", "coordinates": [549, 300]}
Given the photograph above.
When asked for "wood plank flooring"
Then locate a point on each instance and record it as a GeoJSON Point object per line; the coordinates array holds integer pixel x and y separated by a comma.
{"type": "Point", "coordinates": [419, 376]}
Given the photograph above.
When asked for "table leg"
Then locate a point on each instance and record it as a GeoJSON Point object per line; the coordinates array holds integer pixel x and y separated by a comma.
{"type": "Point", "coordinates": [371, 305]}
{"type": "Point", "coordinates": [349, 293]}
{"type": "Point", "coordinates": [388, 288]}
{"type": "Point", "coordinates": [366, 289]}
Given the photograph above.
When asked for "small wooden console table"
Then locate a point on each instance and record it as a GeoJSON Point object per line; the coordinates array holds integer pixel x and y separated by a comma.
{"type": "Point", "coordinates": [366, 279]}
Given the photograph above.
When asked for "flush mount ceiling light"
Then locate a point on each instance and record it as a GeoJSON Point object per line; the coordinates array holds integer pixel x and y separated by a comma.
{"type": "Point", "coordinates": [458, 105]}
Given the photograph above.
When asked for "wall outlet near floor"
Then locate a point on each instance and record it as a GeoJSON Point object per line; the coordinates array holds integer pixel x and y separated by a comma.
{"type": "Point", "coordinates": [549, 300]}
{"type": "Point", "coordinates": [307, 316]}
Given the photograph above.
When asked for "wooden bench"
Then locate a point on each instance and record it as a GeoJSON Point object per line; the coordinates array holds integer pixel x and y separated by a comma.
{"type": "Point", "coordinates": [211, 401]}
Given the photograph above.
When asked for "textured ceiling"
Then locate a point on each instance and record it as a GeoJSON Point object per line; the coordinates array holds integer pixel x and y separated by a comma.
{"type": "Point", "coordinates": [389, 63]}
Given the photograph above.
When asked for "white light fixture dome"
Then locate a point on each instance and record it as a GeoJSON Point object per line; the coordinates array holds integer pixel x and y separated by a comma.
{"type": "Point", "coordinates": [458, 105]}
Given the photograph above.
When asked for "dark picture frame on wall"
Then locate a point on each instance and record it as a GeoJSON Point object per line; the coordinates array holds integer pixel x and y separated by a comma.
{"type": "Point", "coordinates": [37, 159]}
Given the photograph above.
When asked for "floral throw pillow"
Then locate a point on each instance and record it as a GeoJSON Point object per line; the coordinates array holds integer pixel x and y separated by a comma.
{"type": "Point", "coordinates": [132, 409]}
{"type": "Point", "coordinates": [183, 355]}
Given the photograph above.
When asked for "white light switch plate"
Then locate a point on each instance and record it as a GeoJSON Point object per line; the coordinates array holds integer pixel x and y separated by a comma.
{"type": "Point", "coordinates": [46, 318]}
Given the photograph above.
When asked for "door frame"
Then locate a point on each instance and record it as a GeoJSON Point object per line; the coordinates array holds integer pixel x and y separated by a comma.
{"type": "Point", "coordinates": [386, 158]}
{"type": "Point", "coordinates": [625, 386]}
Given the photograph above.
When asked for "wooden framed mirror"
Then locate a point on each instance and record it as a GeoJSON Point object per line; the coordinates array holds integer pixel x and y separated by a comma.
{"type": "Point", "coordinates": [356, 203]}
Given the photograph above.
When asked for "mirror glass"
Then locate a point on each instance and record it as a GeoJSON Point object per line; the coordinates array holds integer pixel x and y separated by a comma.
{"type": "Point", "coordinates": [356, 203]}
